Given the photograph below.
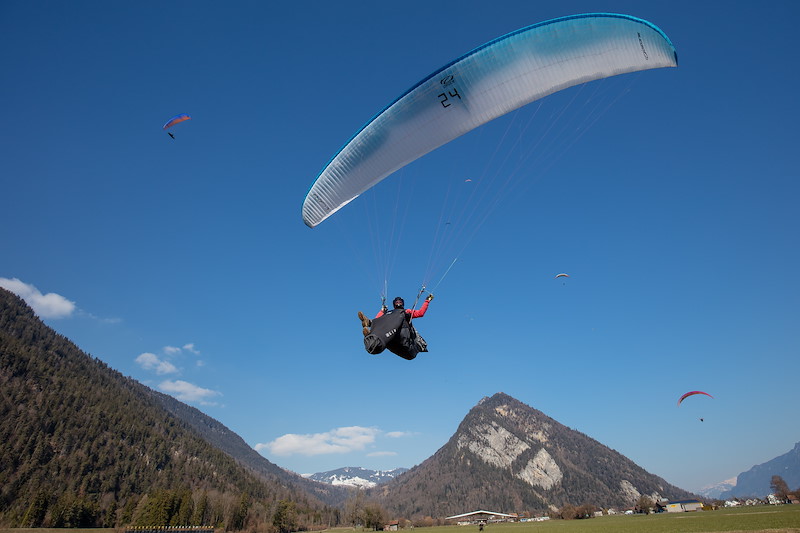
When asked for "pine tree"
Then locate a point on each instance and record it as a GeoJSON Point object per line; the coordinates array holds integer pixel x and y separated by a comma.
{"type": "Point", "coordinates": [35, 514]}
{"type": "Point", "coordinates": [285, 517]}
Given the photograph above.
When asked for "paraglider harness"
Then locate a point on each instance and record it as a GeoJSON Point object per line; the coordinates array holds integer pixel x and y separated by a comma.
{"type": "Point", "coordinates": [395, 331]}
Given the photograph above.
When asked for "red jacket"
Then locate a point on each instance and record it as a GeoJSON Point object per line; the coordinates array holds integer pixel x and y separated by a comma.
{"type": "Point", "coordinates": [415, 313]}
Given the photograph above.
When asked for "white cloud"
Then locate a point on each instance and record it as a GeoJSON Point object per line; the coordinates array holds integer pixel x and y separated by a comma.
{"type": "Point", "coordinates": [161, 364]}
{"type": "Point", "coordinates": [381, 454]}
{"type": "Point", "coordinates": [50, 305]}
{"type": "Point", "coordinates": [174, 350]}
{"type": "Point", "coordinates": [150, 361]}
{"type": "Point", "coordinates": [188, 392]}
{"type": "Point", "coordinates": [103, 320]}
{"type": "Point", "coordinates": [398, 434]}
{"type": "Point", "coordinates": [339, 440]}
{"type": "Point", "coordinates": [189, 347]}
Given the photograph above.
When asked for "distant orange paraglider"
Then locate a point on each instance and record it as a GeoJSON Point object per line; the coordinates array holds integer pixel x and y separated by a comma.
{"type": "Point", "coordinates": [175, 120]}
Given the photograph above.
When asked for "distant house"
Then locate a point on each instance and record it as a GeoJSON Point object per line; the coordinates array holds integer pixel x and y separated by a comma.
{"type": "Point", "coordinates": [394, 525]}
{"type": "Point", "coordinates": [684, 506]}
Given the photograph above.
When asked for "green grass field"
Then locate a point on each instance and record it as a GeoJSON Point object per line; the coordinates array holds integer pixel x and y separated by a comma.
{"type": "Point", "coordinates": [761, 519]}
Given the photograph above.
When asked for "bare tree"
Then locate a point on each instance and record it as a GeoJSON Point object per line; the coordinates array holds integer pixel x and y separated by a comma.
{"type": "Point", "coordinates": [644, 504]}
{"type": "Point", "coordinates": [779, 487]}
{"type": "Point", "coordinates": [354, 508]}
{"type": "Point", "coordinates": [567, 512]}
{"type": "Point", "coordinates": [374, 516]}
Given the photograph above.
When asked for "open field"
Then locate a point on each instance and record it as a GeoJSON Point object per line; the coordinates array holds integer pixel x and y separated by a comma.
{"type": "Point", "coordinates": [761, 519]}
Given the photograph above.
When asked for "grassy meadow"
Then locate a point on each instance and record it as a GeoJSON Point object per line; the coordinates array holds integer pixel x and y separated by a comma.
{"type": "Point", "coordinates": [760, 519]}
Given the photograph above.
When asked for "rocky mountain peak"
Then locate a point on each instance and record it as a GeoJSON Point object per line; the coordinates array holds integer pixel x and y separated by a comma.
{"type": "Point", "coordinates": [505, 453]}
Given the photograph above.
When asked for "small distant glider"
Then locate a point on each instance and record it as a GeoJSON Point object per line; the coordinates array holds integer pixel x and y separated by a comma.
{"type": "Point", "coordinates": [175, 120]}
{"type": "Point", "coordinates": [692, 393]}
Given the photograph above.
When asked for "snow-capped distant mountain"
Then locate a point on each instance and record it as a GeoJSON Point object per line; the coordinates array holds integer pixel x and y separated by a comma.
{"type": "Point", "coordinates": [355, 476]}
{"type": "Point", "coordinates": [714, 490]}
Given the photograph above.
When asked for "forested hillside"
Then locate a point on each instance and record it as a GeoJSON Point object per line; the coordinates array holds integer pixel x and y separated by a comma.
{"type": "Point", "coordinates": [83, 445]}
{"type": "Point", "coordinates": [229, 442]}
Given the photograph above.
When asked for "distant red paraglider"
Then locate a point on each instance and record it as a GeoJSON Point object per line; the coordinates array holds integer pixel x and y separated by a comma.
{"type": "Point", "coordinates": [692, 393]}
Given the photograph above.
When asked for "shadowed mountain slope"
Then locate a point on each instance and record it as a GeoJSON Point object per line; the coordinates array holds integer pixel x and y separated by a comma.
{"type": "Point", "coordinates": [756, 481]}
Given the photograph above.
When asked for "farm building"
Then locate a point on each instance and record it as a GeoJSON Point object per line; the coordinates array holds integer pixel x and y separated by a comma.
{"type": "Point", "coordinates": [684, 506]}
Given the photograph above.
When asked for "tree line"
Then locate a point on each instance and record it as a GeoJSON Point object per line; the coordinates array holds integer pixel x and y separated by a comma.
{"type": "Point", "coordinates": [178, 507]}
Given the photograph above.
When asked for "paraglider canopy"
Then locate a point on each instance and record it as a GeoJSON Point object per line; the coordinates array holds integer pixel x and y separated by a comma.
{"type": "Point", "coordinates": [692, 393]}
{"type": "Point", "coordinates": [176, 119]}
{"type": "Point", "coordinates": [562, 276]}
{"type": "Point", "coordinates": [482, 85]}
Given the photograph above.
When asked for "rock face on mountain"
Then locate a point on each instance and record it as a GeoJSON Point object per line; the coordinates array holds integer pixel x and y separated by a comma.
{"type": "Point", "coordinates": [508, 457]}
{"type": "Point", "coordinates": [756, 481]}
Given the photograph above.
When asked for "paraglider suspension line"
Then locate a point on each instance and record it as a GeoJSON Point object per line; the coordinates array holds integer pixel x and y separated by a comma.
{"type": "Point", "coordinates": [446, 272]}
{"type": "Point", "coordinates": [416, 301]}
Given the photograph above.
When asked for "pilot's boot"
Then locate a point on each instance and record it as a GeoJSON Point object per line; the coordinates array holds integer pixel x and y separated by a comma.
{"type": "Point", "coordinates": [365, 322]}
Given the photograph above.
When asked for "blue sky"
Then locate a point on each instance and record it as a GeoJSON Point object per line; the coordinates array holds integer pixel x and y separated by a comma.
{"type": "Point", "coordinates": [669, 196]}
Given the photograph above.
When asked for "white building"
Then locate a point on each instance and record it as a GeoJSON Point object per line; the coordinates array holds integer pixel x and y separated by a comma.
{"type": "Point", "coordinates": [482, 516]}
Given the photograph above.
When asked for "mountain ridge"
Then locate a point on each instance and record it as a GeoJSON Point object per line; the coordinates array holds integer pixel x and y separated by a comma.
{"type": "Point", "coordinates": [356, 476]}
{"type": "Point", "coordinates": [714, 490]}
{"type": "Point", "coordinates": [221, 437]}
{"type": "Point", "coordinates": [508, 456]}
{"type": "Point", "coordinates": [755, 482]}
